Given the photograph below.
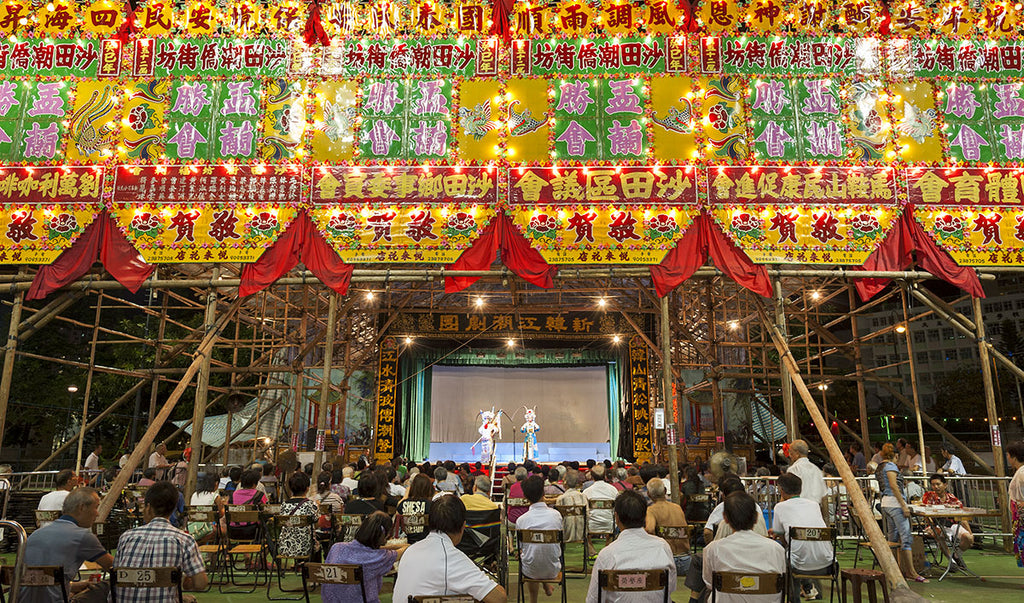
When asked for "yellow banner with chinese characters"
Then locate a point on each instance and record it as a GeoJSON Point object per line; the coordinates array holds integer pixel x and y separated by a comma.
{"type": "Point", "coordinates": [44, 210]}
{"type": "Point", "coordinates": [606, 215]}
{"type": "Point", "coordinates": [975, 214]}
{"type": "Point", "coordinates": [819, 215]}
{"type": "Point", "coordinates": [403, 214]}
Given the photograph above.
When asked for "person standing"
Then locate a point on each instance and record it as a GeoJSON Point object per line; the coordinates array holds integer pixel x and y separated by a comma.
{"type": "Point", "coordinates": [92, 462]}
{"type": "Point", "coordinates": [158, 461]}
{"type": "Point", "coordinates": [895, 507]}
{"type": "Point", "coordinates": [810, 476]}
{"type": "Point", "coordinates": [857, 461]}
{"type": "Point", "coordinates": [1015, 452]}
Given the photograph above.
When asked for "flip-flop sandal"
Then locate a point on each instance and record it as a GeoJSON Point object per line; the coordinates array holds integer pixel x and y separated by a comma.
{"type": "Point", "coordinates": [921, 579]}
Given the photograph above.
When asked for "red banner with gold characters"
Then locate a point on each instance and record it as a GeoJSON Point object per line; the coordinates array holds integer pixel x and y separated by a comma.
{"type": "Point", "coordinates": [44, 210]}
{"type": "Point", "coordinates": [975, 214]}
{"type": "Point", "coordinates": [640, 400]}
{"type": "Point", "coordinates": [403, 214]}
{"type": "Point", "coordinates": [812, 215]}
{"type": "Point", "coordinates": [205, 213]}
{"type": "Point", "coordinates": [387, 391]}
{"type": "Point", "coordinates": [603, 215]}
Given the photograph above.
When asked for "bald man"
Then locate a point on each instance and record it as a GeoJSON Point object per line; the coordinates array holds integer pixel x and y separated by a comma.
{"type": "Point", "coordinates": [811, 478]}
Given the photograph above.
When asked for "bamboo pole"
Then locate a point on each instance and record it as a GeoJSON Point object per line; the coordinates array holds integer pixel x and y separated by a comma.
{"type": "Point", "coordinates": [666, 398]}
{"type": "Point", "coordinates": [8, 369]}
{"type": "Point", "coordinates": [157, 422]}
{"type": "Point", "coordinates": [788, 404]}
{"type": "Point", "coordinates": [858, 363]}
{"type": "Point", "coordinates": [325, 386]}
{"type": "Point", "coordinates": [878, 540]}
{"type": "Point", "coordinates": [202, 393]}
{"type": "Point", "coordinates": [88, 381]}
{"type": "Point", "coordinates": [911, 364]}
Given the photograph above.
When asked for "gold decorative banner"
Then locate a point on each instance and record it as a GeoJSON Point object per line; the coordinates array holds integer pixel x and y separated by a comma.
{"type": "Point", "coordinates": [387, 390]}
{"type": "Point", "coordinates": [640, 400]}
{"type": "Point", "coordinates": [975, 214]}
{"type": "Point", "coordinates": [614, 214]}
{"type": "Point", "coordinates": [44, 210]}
{"type": "Point", "coordinates": [205, 213]}
{"type": "Point", "coordinates": [815, 215]}
{"type": "Point", "coordinates": [403, 214]}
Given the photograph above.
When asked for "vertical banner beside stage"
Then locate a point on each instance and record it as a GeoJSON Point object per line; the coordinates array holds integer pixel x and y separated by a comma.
{"type": "Point", "coordinates": [640, 400]}
{"type": "Point", "coordinates": [387, 386]}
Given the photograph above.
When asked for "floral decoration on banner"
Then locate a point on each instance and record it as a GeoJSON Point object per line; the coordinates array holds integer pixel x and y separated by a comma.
{"type": "Point", "coordinates": [975, 214]}
{"type": "Point", "coordinates": [603, 215]}
{"type": "Point", "coordinates": [204, 214]}
{"type": "Point", "coordinates": [395, 214]}
{"type": "Point", "coordinates": [44, 210]}
{"type": "Point", "coordinates": [103, 17]}
{"type": "Point", "coordinates": [819, 215]}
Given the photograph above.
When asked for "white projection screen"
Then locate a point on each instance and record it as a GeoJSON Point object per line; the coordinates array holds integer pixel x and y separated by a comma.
{"type": "Point", "coordinates": [572, 402]}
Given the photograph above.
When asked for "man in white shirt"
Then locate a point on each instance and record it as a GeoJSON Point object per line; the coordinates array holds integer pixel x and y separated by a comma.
{"type": "Point", "coordinates": [539, 561]}
{"type": "Point", "coordinates": [54, 501]}
{"type": "Point", "coordinates": [810, 476]}
{"type": "Point", "coordinates": [953, 465]}
{"type": "Point", "coordinates": [433, 566]}
{"type": "Point", "coordinates": [347, 480]}
{"type": "Point", "coordinates": [92, 462]}
{"type": "Point", "coordinates": [807, 557]}
{"type": "Point", "coordinates": [634, 549]}
{"type": "Point", "coordinates": [715, 528]}
{"type": "Point", "coordinates": [600, 520]}
{"type": "Point", "coordinates": [743, 551]}
{"type": "Point", "coordinates": [158, 461]}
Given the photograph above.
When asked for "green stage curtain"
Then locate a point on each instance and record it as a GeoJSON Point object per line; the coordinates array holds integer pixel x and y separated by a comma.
{"type": "Point", "coordinates": [414, 406]}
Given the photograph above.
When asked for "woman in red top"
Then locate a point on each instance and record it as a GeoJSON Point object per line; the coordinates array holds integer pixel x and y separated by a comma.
{"type": "Point", "coordinates": [940, 495]}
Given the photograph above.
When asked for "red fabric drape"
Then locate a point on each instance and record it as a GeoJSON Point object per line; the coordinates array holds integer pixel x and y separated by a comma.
{"type": "Point", "coordinates": [128, 27]}
{"type": "Point", "coordinates": [501, 13]}
{"type": "Point", "coordinates": [314, 30]}
{"type": "Point", "coordinates": [689, 23]}
{"type": "Point", "coordinates": [516, 253]}
{"type": "Point", "coordinates": [896, 253]}
{"type": "Point", "coordinates": [300, 242]}
{"type": "Point", "coordinates": [100, 239]}
{"type": "Point", "coordinates": [704, 238]}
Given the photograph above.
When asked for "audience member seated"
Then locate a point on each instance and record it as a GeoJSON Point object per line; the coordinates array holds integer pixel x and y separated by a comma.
{"type": "Point", "coordinates": [148, 477]}
{"type": "Point", "coordinates": [743, 550]}
{"type": "Point", "coordinates": [325, 496]}
{"type": "Point", "coordinates": [159, 544]}
{"type": "Point", "coordinates": [663, 512]}
{"type": "Point", "coordinates": [573, 526]}
{"type": "Point", "coordinates": [554, 487]}
{"type": "Point", "coordinates": [539, 561]}
{"type": "Point", "coordinates": [516, 491]}
{"type": "Point", "coordinates": [714, 529]}
{"type": "Point", "coordinates": [433, 566]}
{"type": "Point", "coordinates": [621, 481]}
{"type": "Point", "coordinates": [68, 542]}
{"type": "Point", "coordinates": [234, 479]}
{"type": "Point", "coordinates": [807, 557]}
{"type": "Point", "coordinates": [206, 495]}
{"type": "Point", "coordinates": [452, 478]}
{"type": "Point", "coordinates": [478, 497]}
{"type": "Point", "coordinates": [442, 484]}
{"type": "Point", "coordinates": [370, 550]}
{"type": "Point", "coordinates": [54, 501]}
{"type": "Point", "coordinates": [298, 542]}
{"type": "Point", "coordinates": [633, 477]}
{"type": "Point", "coordinates": [416, 502]}
{"type": "Point", "coordinates": [940, 495]}
{"type": "Point", "coordinates": [347, 478]}
{"type": "Point", "coordinates": [368, 500]}
{"type": "Point", "coordinates": [634, 549]}
{"type": "Point", "coordinates": [600, 520]}
{"type": "Point", "coordinates": [247, 494]}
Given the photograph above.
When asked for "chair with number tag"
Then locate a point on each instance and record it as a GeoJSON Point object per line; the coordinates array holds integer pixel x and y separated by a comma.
{"type": "Point", "coordinates": [578, 514]}
{"type": "Point", "coordinates": [813, 535]}
{"type": "Point", "coordinates": [739, 583]}
{"type": "Point", "coordinates": [345, 526]}
{"type": "Point", "coordinates": [528, 538]}
{"type": "Point", "coordinates": [144, 577]}
{"type": "Point", "coordinates": [442, 599]}
{"type": "Point", "coordinates": [286, 535]}
{"type": "Point", "coordinates": [202, 521]}
{"type": "Point", "coordinates": [332, 573]}
{"type": "Point", "coordinates": [507, 505]}
{"type": "Point", "coordinates": [45, 517]}
{"type": "Point", "coordinates": [244, 539]}
{"type": "Point", "coordinates": [676, 535]}
{"type": "Point", "coordinates": [41, 576]}
{"type": "Point", "coordinates": [632, 581]}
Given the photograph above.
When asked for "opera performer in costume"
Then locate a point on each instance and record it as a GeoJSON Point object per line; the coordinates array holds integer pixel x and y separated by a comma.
{"type": "Point", "coordinates": [530, 428]}
{"type": "Point", "coordinates": [490, 425]}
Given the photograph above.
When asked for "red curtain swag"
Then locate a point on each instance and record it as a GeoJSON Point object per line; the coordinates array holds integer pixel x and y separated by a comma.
{"type": "Point", "coordinates": [705, 238]}
{"type": "Point", "coordinates": [314, 32]}
{"type": "Point", "coordinates": [896, 253]}
{"type": "Point", "coordinates": [300, 242]}
{"type": "Point", "coordinates": [516, 253]}
{"type": "Point", "coordinates": [501, 14]}
{"type": "Point", "coordinates": [102, 239]}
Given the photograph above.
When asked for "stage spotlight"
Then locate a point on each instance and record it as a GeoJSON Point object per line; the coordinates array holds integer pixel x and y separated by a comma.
{"type": "Point", "coordinates": [616, 339]}
{"type": "Point", "coordinates": [408, 341]}
{"type": "Point", "coordinates": [601, 302]}
{"type": "Point", "coordinates": [369, 296]}
{"type": "Point", "coordinates": [734, 324]}
{"type": "Point", "coordinates": [479, 302]}
{"type": "Point", "coordinates": [901, 328]}
{"type": "Point", "coordinates": [511, 343]}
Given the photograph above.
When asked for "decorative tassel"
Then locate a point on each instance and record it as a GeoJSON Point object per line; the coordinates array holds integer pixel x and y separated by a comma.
{"type": "Point", "coordinates": [314, 30]}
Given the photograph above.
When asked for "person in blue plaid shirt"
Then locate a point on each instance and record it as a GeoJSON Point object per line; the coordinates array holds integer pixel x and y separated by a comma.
{"type": "Point", "coordinates": [159, 544]}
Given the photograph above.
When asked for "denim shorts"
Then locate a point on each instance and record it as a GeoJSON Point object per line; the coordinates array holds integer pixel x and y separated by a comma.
{"type": "Point", "coordinates": [682, 564]}
{"type": "Point", "coordinates": [899, 525]}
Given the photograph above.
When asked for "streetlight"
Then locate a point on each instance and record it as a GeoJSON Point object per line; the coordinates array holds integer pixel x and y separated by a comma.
{"type": "Point", "coordinates": [72, 389]}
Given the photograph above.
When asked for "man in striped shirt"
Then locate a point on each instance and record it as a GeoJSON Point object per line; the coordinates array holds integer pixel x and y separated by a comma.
{"type": "Point", "coordinates": [159, 544]}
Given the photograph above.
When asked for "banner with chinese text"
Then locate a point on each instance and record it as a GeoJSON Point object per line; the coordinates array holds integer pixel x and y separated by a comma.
{"type": "Point", "coordinates": [640, 400]}
{"type": "Point", "coordinates": [387, 403]}
{"type": "Point", "coordinates": [403, 214]}
{"type": "Point", "coordinates": [975, 214]}
{"type": "Point", "coordinates": [204, 214]}
{"type": "Point", "coordinates": [614, 214]}
{"type": "Point", "coordinates": [561, 325]}
{"type": "Point", "coordinates": [816, 215]}
{"type": "Point", "coordinates": [44, 210]}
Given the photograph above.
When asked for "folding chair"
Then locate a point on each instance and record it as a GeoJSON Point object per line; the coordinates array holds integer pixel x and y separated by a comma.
{"type": "Point", "coordinates": [864, 544]}
{"type": "Point", "coordinates": [632, 581]}
{"type": "Point", "coordinates": [275, 526]}
{"type": "Point", "coordinates": [577, 513]}
{"type": "Point", "coordinates": [235, 546]}
{"type": "Point", "coordinates": [46, 517]}
{"type": "Point", "coordinates": [536, 538]}
{"type": "Point", "coordinates": [598, 505]}
{"type": "Point", "coordinates": [216, 549]}
{"type": "Point", "coordinates": [332, 573]}
{"type": "Point", "coordinates": [813, 535]}
{"type": "Point", "coordinates": [739, 583]}
{"type": "Point", "coordinates": [676, 534]}
{"type": "Point", "coordinates": [145, 577]}
{"type": "Point", "coordinates": [505, 507]}
{"type": "Point", "coordinates": [482, 542]}
{"type": "Point", "coordinates": [344, 526]}
{"type": "Point", "coordinates": [38, 576]}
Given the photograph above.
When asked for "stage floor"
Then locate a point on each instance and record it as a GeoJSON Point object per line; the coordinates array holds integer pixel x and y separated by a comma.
{"type": "Point", "coordinates": [505, 452]}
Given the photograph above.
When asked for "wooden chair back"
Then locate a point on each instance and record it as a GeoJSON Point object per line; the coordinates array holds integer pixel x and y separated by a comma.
{"type": "Point", "coordinates": [627, 581]}
{"type": "Point", "coordinates": [145, 577]}
{"type": "Point", "coordinates": [740, 583]}
{"type": "Point", "coordinates": [46, 516]}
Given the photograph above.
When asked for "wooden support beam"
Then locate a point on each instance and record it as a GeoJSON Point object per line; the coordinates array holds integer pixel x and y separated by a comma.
{"type": "Point", "coordinates": [202, 393]}
{"type": "Point", "coordinates": [325, 389]}
{"type": "Point", "coordinates": [7, 374]}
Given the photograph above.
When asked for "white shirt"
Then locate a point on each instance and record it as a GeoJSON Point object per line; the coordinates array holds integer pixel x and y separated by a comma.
{"type": "Point", "coordinates": [801, 513]}
{"type": "Point", "coordinates": [811, 479]}
{"type": "Point", "coordinates": [92, 462]}
{"type": "Point", "coordinates": [601, 519]}
{"type": "Point", "coordinates": [725, 530]}
{"type": "Point", "coordinates": [158, 460]}
{"type": "Point", "coordinates": [350, 483]}
{"type": "Point", "coordinates": [433, 566]}
{"type": "Point", "coordinates": [396, 490]}
{"type": "Point", "coordinates": [53, 501]}
{"type": "Point", "coordinates": [744, 551]}
{"type": "Point", "coordinates": [668, 486]}
{"type": "Point", "coordinates": [542, 561]}
{"type": "Point", "coordinates": [204, 499]}
{"type": "Point", "coordinates": [634, 549]}
{"type": "Point", "coordinates": [955, 466]}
